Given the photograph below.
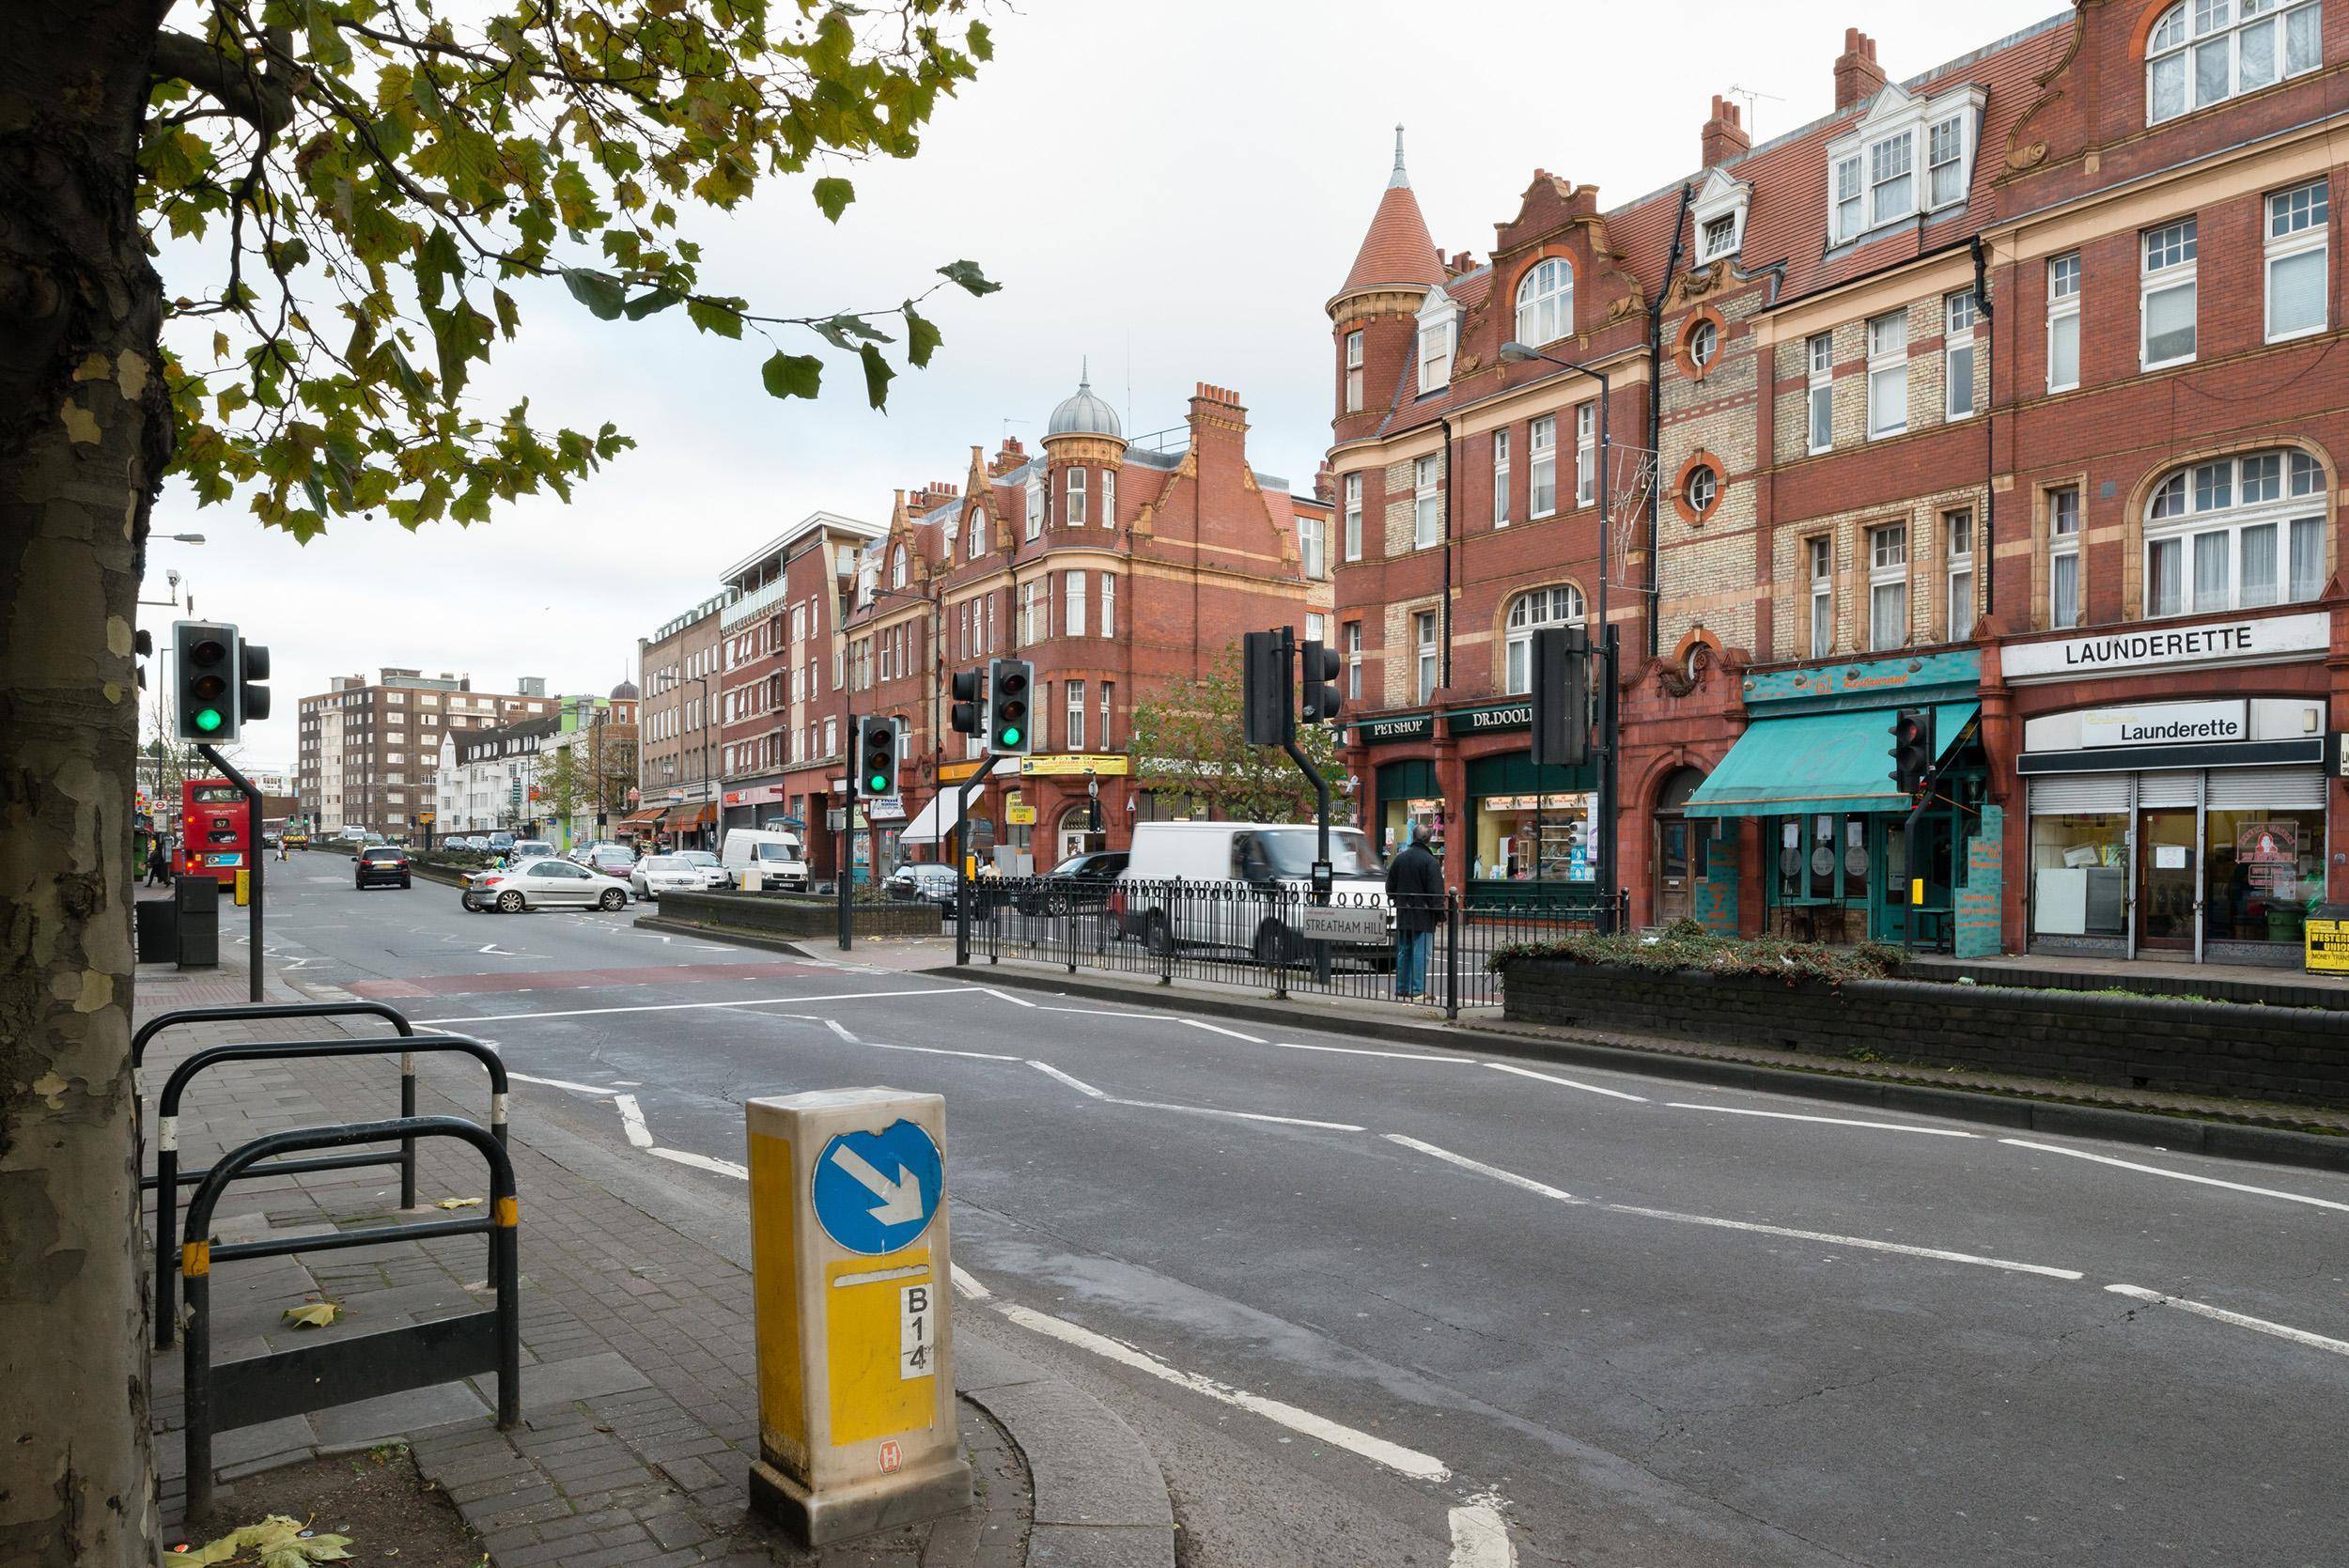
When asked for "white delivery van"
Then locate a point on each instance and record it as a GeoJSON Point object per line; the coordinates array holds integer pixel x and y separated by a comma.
{"type": "Point", "coordinates": [758, 858]}
{"type": "Point", "coordinates": [1242, 885]}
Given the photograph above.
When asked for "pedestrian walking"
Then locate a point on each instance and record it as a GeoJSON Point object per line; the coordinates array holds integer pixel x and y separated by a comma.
{"type": "Point", "coordinates": [1415, 888]}
{"type": "Point", "coordinates": [158, 863]}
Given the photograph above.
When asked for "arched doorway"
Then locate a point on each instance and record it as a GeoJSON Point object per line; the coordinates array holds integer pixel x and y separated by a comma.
{"type": "Point", "coordinates": [1075, 833]}
{"type": "Point", "coordinates": [1680, 841]}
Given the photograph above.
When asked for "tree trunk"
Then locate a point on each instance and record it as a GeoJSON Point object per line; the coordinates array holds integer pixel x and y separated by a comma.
{"type": "Point", "coordinates": [83, 435]}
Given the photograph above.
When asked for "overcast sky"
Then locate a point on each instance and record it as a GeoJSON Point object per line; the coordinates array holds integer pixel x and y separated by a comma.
{"type": "Point", "coordinates": [1171, 190]}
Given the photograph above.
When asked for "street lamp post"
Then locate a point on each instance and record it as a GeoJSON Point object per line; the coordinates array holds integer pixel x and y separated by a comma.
{"type": "Point", "coordinates": [936, 600]}
{"type": "Point", "coordinates": [1518, 353]}
{"type": "Point", "coordinates": [710, 784]}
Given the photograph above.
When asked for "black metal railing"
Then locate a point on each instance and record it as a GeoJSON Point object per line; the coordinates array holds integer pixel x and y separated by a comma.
{"type": "Point", "coordinates": [363, 1366]}
{"type": "Point", "coordinates": [168, 1178]}
{"type": "Point", "coordinates": [1273, 935]}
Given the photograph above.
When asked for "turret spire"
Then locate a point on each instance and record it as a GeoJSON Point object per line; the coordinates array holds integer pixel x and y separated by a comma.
{"type": "Point", "coordinates": [1398, 180]}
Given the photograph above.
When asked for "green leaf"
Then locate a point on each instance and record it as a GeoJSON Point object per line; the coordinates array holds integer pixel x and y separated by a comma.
{"type": "Point", "coordinates": [877, 375]}
{"type": "Point", "coordinates": [508, 317]}
{"type": "Point", "coordinates": [792, 375]}
{"type": "Point", "coordinates": [724, 318]}
{"type": "Point", "coordinates": [832, 196]}
{"type": "Point", "coordinates": [651, 302]}
{"type": "Point", "coordinates": [922, 339]}
{"type": "Point", "coordinates": [967, 274]}
{"type": "Point", "coordinates": [601, 292]}
{"type": "Point", "coordinates": [838, 329]}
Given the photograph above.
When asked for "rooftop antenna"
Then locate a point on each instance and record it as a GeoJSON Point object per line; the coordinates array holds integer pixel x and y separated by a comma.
{"type": "Point", "coordinates": [1009, 420]}
{"type": "Point", "coordinates": [1753, 120]}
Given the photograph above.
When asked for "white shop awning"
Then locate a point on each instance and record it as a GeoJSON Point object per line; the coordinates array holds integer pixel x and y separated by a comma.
{"type": "Point", "coordinates": [943, 814]}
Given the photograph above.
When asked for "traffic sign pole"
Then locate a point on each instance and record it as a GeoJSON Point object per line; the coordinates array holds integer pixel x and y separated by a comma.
{"type": "Point", "coordinates": [852, 1276]}
{"type": "Point", "coordinates": [844, 844]}
{"type": "Point", "coordinates": [254, 857]}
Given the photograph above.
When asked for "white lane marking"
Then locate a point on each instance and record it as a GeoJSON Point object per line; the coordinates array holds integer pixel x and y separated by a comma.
{"type": "Point", "coordinates": [1833, 1240]}
{"type": "Point", "coordinates": [1219, 1029]}
{"type": "Point", "coordinates": [628, 1083]}
{"type": "Point", "coordinates": [2178, 1175]}
{"type": "Point", "coordinates": [1077, 1083]}
{"type": "Point", "coordinates": [967, 1283]}
{"type": "Point", "coordinates": [1495, 1172]}
{"type": "Point", "coordinates": [1551, 1077]}
{"type": "Point", "coordinates": [695, 1006]}
{"type": "Point", "coordinates": [1003, 995]}
{"type": "Point", "coordinates": [1394, 1456]}
{"type": "Point", "coordinates": [941, 1050]}
{"type": "Point", "coordinates": [1240, 1116]}
{"type": "Point", "coordinates": [632, 1121]}
{"type": "Point", "coordinates": [1362, 1051]}
{"type": "Point", "coordinates": [1096, 1013]}
{"type": "Point", "coordinates": [1480, 1536]}
{"type": "Point", "coordinates": [492, 947]}
{"type": "Point", "coordinates": [840, 1029]}
{"type": "Point", "coordinates": [563, 1083]}
{"type": "Point", "coordinates": [1832, 1121]}
{"type": "Point", "coordinates": [703, 1162]}
{"type": "Point", "coordinates": [2220, 1314]}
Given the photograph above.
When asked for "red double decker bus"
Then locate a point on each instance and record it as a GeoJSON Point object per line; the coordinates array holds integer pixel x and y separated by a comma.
{"type": "Point", "coordinates": [216, 830]}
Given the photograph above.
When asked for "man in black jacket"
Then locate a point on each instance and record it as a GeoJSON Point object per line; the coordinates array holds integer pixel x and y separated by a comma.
{"type": "Point", "coordinates": [1415, 888]}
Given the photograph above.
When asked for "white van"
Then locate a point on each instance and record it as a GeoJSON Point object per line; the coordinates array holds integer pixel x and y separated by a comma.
{"type": "Point", "coordinates": [764, 858]}
{"type": "Point", "coordinates": [1243, 882]}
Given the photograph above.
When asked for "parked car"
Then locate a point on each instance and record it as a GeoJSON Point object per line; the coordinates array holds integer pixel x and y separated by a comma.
{"type": "Point", "coordinates": [1079, 882]}
{"type": "Point", "coordinates": [1243, 879]}
{"type": "Point", "coordinates": [538, 884]}
{"type": "Point", "coordinates": [518, 850]}
{"type": "Point", "coordinates": [924, 881]}
{"type": "Point", "coordinates": [778, 857]}
{"type": "Point", "coordinates": [658, 874]}
{"type": "Point", "coordinates": [501, 843]}
{"type": "Point", "coordinates": [714, 874]}
{"type": "Point", "coordinates": [379, 865]}
{"type": "Point", "coordinates": [612, 860]}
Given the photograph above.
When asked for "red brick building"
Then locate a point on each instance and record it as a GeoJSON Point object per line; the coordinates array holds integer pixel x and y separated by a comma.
{"type": "Point", "coordinates": [1114, 566]}
{"type": "Point", "coordinates": [2004, 392]}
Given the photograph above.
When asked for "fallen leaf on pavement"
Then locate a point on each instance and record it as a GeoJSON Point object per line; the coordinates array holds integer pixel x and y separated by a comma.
{"type": "Point", "coordinates": [277, 1540]}
{"type": "Point", "coordinates": [314, 1314]}
{"type": "Point", "coordinates": [459, 1203]}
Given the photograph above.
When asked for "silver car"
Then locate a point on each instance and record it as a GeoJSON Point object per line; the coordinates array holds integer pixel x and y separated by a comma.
{"type": "Point", "coordinates": [541, 884]}
{"type": "Point", "coordinates": [682, 872]}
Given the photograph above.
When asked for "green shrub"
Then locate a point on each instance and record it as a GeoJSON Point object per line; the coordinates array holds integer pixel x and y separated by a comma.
{"type": "Point", "coordinates": [1687, 945]}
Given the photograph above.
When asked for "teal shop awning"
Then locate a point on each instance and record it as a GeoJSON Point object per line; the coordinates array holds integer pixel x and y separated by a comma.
{"type": "Point", "coordinates": [1818, 762]}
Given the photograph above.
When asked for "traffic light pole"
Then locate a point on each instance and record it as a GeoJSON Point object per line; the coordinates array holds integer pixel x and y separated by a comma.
{"type": "Point", "coordinates": [962, 855]}
{"type": "Point", "coordinates": [843, 845]}
{"type": "Point", "coordinates": [253, 855]}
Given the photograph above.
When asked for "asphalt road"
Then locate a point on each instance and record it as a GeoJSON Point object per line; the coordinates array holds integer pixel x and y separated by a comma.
{"type": "Point", "coordinates": [1634, 1322]}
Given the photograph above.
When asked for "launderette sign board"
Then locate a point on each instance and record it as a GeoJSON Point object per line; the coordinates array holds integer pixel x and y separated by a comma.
{"type": "Point", "coordinates": [2167, 723]}
{"type": "Point", "coordinates": [2163, 647]}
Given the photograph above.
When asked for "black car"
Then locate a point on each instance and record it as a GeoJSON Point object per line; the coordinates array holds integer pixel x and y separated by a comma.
{"type": "Point", "coordinates": [1079, 882]}
{"type": "Point", "coordinates": [381, 865]}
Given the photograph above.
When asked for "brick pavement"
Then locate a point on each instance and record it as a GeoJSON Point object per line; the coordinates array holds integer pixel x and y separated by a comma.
{"type": "Point", "coordinates": [638, 1389]}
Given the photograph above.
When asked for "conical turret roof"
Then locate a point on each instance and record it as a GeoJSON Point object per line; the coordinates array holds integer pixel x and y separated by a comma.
{"type": "Point", "coordinates": [1397, 249]}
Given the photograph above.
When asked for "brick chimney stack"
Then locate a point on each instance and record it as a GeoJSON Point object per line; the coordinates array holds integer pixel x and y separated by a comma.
{"type": "Point", "coordinates": [1857, 74]}
{"type": "Point", "coordinates": [1725, 134]}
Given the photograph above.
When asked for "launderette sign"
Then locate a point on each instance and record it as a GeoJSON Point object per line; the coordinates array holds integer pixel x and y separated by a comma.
{"type": "Point", "coordinates": [2167, 723]}
{"type": "Point", "coordinates": [2169, 647]}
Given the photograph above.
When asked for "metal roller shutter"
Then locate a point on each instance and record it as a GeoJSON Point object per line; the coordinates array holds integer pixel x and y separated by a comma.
{"type": "Point", "coordinates": [2079, 794]}
{"type": "Point", "coordinates": [2240, 787]}
{"type": "Point", "coordinates": [2168, 789]}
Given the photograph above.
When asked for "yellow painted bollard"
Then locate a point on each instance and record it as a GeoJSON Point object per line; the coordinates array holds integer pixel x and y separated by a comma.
{"type": "Point", "coordinates": [244, 887]}
{"type": "Point", "coordinates": [852, 1282]}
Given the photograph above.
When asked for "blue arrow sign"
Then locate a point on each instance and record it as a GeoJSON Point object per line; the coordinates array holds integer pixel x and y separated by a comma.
{"type": "Point", "coordinates": [876, 1191]}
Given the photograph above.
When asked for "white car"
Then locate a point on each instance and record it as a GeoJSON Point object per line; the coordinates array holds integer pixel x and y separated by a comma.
{"type": "Point", "coordinates": [679, 873]}
{"type": "Point", "coordinates": [541, 884]}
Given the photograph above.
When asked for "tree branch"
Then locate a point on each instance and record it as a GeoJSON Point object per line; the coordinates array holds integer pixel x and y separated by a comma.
{"type": "Point", "coordinates": [264, 102]}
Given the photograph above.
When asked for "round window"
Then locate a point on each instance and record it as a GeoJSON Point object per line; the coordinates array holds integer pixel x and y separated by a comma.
{"type": "Point", "coordinates": [1703, 338]}
{"type": "Point", "coordinates": [1704, 487]}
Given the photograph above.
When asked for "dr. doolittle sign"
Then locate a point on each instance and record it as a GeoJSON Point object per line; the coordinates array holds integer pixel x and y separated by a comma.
{"type": "Point", "coordinates": [2167, 723]}
{"type": "Point", "coordinates": [2167, 647]}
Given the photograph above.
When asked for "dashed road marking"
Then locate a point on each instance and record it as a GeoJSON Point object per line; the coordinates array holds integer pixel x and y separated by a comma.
{"type": "Point", "coordinates": [1832, 1121]}
{"type": "Point", "coordinates": [1080, 1085]}
{"type": "Point", "coordinates": [632, 1121]}
{"type": "Point", "coordinates": [1219, 1029]}
{"type": "Point", "coordinates": [1238, 1115]}
{"type": "Point", "coordinates": [1831, 1239]}
{"type": "Point", "coordinates": [2179, 1175]}
{"type": "Point", "coordinates": [1364, 1050]}
{"type": "Point", "coordinates": [700, 1006]}
{"type": "Point", "coordinates": [1495, 1172]}
{"type": "Point", "coordinates": [2220, 1314]}
{"type": "Point", "coordinates": [1570, 1083]}
{"type": "Point", "coordinates": [1480, 1536]}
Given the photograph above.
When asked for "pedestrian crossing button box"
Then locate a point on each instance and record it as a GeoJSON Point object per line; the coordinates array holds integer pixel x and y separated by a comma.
{"type": "Point", "coordinates": [853, 1282]}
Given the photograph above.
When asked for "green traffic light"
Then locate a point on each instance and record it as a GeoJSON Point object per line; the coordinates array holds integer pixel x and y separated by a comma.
{"type": "Point", "coordinates": [1011, 737]}
{"type": "Point", "coordinates": [208, 719]}
{"type": "Point", "coordinates": [878, 782]}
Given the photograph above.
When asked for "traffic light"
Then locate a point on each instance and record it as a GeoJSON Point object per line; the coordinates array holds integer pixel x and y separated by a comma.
{"type": "Point", "coordinates": [876, 758]}
{"type": "Point", "coordinates": [1561, 696]}
{"type": "Point", "coordinates": [1912, 749]}
{"type": "Point", "coordinates": [1009, 684]}
{"type": "Point", "coordinates": [252, 695]}
{"type": "Point", "coordinates": [1320, 700]}
{"type": "Point", "coordinates": [969, 712]}
{"type": "Point", "coordinates": [204, 661]}
{"type": "Point", "coordinates": [1266, 719]}
{"type": "Point", "coordinates": [143, 644]}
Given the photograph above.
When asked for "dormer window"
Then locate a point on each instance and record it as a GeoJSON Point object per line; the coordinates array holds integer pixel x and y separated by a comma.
{"type": "Point", "coordinates": [1439, 331]}
{"type": "Point", "coordinates": [897, 568]}
{"type": "Point", "coordinates": [978, 534]}
{"type": "Point", "coordinates": [1720, 238]}
{"type": "Point", "coordinates": [1908, 156]}
{"type": "Point", "coordinates": [1720, 214]}
{"type": "Point", "coordinates": [1546, 302]}
{"type": "Point", "coordinates": [2202, 52]}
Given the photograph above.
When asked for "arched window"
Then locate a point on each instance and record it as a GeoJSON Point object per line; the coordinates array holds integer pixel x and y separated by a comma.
{"type": "Point", "coordinates": [897, 568]}
{"type": "Point", "coordinates": [978, 533]}
{"type": "Point", "coordinates": [1559, 605]}
{"type": "Point", "coordinates": [2202, 52]}
{"type": "Point", "coordinates": [1546, 302]}
{"type": "Point", "coordinates": [2236, 532]}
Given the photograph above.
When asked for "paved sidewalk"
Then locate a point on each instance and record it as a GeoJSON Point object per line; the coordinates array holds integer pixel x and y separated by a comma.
{"type": "Point", "coordinates": [638, 1389]}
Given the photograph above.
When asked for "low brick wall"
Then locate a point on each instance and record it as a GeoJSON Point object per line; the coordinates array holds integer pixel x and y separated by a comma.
{"type": "Point", "coordinates": [2223, 1049]}
{"type": "Point", "coordinates": [794, 914]}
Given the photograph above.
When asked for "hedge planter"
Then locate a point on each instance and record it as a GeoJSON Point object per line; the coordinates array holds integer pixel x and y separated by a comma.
{"type": "Point", "coordinates": [2231, 1049]}
{"type": "Point", "coordinates": [796, 915]}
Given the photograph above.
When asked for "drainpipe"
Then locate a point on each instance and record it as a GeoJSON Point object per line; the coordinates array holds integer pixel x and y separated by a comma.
{"type": "Point", "coordinates": [1989, 417]}
{"type": "Point", "coordinates": [1655, 418]}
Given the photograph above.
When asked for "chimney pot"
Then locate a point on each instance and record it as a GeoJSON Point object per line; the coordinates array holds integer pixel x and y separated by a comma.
{"type": "Point", "coordinates": [1857, 76]}
{"type": "Point", "coordinates": [1724, 137]}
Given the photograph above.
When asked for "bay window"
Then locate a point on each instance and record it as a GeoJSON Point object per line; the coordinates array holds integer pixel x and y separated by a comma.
{"type": "Point", "coordinates": [1073, 498]}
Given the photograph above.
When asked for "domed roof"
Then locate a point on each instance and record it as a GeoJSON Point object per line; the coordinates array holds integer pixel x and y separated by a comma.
{"type": "Point", "coordinates": [1084, 414]}
{"type": "Point", "coordinates": [623, 692]}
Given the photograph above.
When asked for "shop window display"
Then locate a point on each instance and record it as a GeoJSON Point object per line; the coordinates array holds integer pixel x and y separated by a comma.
{"type": "Point", "coordinates": [2079, 874]}
{"type": "Point", "coordinates": [2262, 869]}
{"type": "Point", "coordinates": [1506, 832]}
